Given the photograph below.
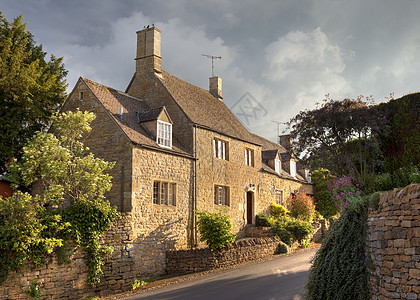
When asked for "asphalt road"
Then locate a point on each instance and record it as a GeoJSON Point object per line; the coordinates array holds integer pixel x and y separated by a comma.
{"type": "Point", "coordinates": [281, 278]}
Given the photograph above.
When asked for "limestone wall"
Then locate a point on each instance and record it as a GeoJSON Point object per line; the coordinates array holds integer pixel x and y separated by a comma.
{"type": "Point", "coordinates": [195, 260]}
{"type": "Point", "coordinates": [394, 245]}
{"type": "Point", "coordinates": [234, 174]}
{"type": "Point", "coordinates": [68, 281]}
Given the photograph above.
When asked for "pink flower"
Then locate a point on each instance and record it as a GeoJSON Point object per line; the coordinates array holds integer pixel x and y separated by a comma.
{"type": "Point", "coordinates": [42, 280]}
{"type": "Point", "coordinates": [27, 282]}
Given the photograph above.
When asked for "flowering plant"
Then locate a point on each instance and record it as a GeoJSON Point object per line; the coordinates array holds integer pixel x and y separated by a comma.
{"type": "Point", "coordinates": [33, 288]}
{"type": "Point", "coordinates": [345, 194]}
{"type": "Point", "coordinates": [302, 207]}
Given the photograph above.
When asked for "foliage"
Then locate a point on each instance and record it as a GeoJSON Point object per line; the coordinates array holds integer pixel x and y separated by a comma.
{"type": "Point", "coordinates": [31, 87]}
{"type": "Point", "coordinates": [72, 204]}
{"type": "Point", "coordinates": [338, 269]}
{"type": "Point", "coordinates": [302, 207]}
{"type": "Point", "coordinates": [400, 144]}
{"type": "Point", "coordinates": [345, 194]}
{"type": "Point", "coordinates": [282, 248]}
{"type": "Point", "coordinates": [324, 203]}
{"type": "Point", "coordinates": [340, 136]}
{"type": "Point", "coordinates": [383, 182]}
{"type": "Point", "coordinates": [374, 200]}
{"type": "Point", "coordinates": [215, 229]}
{"type": "Point", "coordinates": [137, 284]}
{"type": "Point", "coordinates": [263, 220]}
{"type": "Point", "coordinates": [28, 232]}
{"type": "Point", "coordinates": [33, 288]}
{"type": "Point", "coordinates": [318, 216]}
{"type": "Point", "coordinates": [278, 211]}
{"type": "Point", "coordinates": [290, 230]}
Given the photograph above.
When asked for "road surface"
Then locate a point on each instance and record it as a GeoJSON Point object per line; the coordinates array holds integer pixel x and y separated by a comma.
{"type": "Point", "coordinates": [282, 278]}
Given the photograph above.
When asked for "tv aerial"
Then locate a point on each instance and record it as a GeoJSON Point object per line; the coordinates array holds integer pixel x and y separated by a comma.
{"type": "Point", "coordinates": [212, 62]}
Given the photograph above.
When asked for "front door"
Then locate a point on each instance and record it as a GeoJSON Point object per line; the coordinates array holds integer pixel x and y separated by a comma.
{"type": "Point", "coordinates": [249, 208]}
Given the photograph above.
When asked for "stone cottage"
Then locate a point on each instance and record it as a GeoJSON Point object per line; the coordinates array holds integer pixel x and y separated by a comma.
{"type": "Point", "coordinates": [179, 149]}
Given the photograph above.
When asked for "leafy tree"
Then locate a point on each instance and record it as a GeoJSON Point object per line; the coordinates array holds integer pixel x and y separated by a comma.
{"type": "Point", "coordinates": [340, 136]}
{"type": "Point", "coordinates": [31, 87]}
{"type": "Point", "coordinates": [324, 203]}
{"type": "Point", "coordinates": [401, 144]}
{"type": "Point", "coordinates": [69, 186]}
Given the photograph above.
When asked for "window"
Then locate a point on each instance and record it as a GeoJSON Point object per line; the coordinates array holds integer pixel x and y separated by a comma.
{"type": "Point", "coordinates": [277, 166]}
{"type": "Point", "coordinates": [164, 134]}
{"type": "Point", "coordinates": [249, 157]}
{"type": "Point", "coordinates": [279, 197]}
{"type": "Point", "coordinates": [164, 193]}
{"type": "Point", "coordinates": [293, 168]}
{"type": "Point", "coordinates": [221, 195]}
{"type": "Point", "coordinates": [220, 149]}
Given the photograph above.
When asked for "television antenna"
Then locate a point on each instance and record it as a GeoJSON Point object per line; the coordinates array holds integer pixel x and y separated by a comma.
{"type": "Point", "coordinates": [212, 62]}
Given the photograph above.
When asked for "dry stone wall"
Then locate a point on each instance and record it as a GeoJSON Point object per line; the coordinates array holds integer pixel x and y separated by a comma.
{"type": "Point", "coordinates": [394, 245]}
{"type": "Point", "coordinates": [195, 260]}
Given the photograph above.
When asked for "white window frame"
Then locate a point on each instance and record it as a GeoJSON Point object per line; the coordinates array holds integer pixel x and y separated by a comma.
{"type": "Point", "coordinates": [249, 157]}
{"type": "Point", "coordinates": [220, 149]}
{"type": "Point", "coordinates": [277, 165]}
{"type": "Point", "coordinates": [164, 134]}
{"type": "Point", "coordinates": [293, 168]}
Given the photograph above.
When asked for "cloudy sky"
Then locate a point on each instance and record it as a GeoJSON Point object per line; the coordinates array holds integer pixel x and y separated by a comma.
{"type": "Point", "coordinates": [278, 57]}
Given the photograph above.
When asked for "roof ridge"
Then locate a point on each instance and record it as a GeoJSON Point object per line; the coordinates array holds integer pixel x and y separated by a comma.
{"type": "Point", "coordinates": [112, 89]}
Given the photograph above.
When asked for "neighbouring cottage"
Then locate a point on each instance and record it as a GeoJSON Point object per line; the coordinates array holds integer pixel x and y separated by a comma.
{"type": "Point", "coordinates": [179, 149]}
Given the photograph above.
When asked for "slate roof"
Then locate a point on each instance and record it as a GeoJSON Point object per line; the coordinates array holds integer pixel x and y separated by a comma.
{"type": "Point", "coordinates": [204, 109]}
{"type": "Point", "coordinates": [112, 100]}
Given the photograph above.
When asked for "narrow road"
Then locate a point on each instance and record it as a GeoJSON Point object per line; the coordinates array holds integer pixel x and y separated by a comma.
{"type": "Point", "coordinates": [281, 278]}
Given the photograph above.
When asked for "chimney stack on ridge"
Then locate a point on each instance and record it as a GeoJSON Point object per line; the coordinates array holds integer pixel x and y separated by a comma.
{"type": "Point", "coordinates": [148, 57]}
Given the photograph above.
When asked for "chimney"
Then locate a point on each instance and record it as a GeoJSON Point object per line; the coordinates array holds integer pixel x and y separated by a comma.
{"type": "Point", "coordinates": [148, 57]}
{"type": "Point", "coordinates": [286, 141]}
{"type": "Point", "coordinates": [216, 87]}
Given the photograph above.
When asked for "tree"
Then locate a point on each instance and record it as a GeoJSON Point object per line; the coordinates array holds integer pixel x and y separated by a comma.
{"type": "Point", "coordinates": [31, 87]}
{"type": "Point", "coordinates": [323, 196]}
{"type": "Point", "coordinates": [340, 136]}
{"type": "Point", "coordinates": [71, 184]}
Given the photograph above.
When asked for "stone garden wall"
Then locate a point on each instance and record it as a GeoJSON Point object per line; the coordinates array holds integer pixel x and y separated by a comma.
{"type": "Point", "coordinates": [394, 245]}
{"type": "Point", "coordinates": [195, 260]}
{"type": "Point", "coordinates": [68, 281]}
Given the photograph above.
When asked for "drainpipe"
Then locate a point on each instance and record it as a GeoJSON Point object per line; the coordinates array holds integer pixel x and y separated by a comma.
{"type": "Point", "coordinates": [195, 185]}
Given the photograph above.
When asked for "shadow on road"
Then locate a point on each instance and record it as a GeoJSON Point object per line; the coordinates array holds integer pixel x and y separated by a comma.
{"type": "Point", "coordinates": [282, 286]}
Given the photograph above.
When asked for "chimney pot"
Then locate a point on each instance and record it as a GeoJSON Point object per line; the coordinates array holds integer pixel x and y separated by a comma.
{"type": "Point", "coordinates": [216, 87]}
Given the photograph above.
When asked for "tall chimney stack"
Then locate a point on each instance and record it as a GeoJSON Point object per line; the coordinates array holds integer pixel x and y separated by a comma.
{"type": "Point", "coordinates": [148, 57]}
{"type": "Point", "coordinates": [216, 87]}
{"type": "Point", "coordinates": [286, 141]}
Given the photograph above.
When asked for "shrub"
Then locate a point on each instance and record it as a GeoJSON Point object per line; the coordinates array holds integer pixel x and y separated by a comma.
{"type": "Point", "coordinates": [282, 248]}
{"type": "Point", "coordinates": [338, 270]}
{"type": "Point", "coordinates": [302, 207]}
{"type": "Point", "coordinates": [215, 229]}
{"type": "Point", "coordinates": [383, 182]}
{"type": "Point", "coordinates": [263, 220]}
{"type": "Point", "coordinates": [290, 230]}
{"type": "Point", "coordinates": [300, 230]}
{"type": "Point", "coordinates": [278, 211]}
{"type": "Point", "coordinates": [345, 194]}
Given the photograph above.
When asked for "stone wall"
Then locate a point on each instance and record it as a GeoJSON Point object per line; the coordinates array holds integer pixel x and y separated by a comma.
{"type": "Point", "coordinates": [394, 245]}
{"type": "Point", "coordinates": [68, 281]}
{"type": "Point", "coordinates": [195, 260]}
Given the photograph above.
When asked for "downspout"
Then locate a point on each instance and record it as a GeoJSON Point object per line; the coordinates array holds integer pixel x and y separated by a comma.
{"type": "Point", "coordinates": [195, 185]}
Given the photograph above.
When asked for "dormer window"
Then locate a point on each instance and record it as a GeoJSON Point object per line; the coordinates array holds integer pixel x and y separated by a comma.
{"type": "Point", "coordinates": [277, 165]}
{"type": "Point", "coordinates": [293, 168]}
{"type": "Point", "coordinates": [164, 134]}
